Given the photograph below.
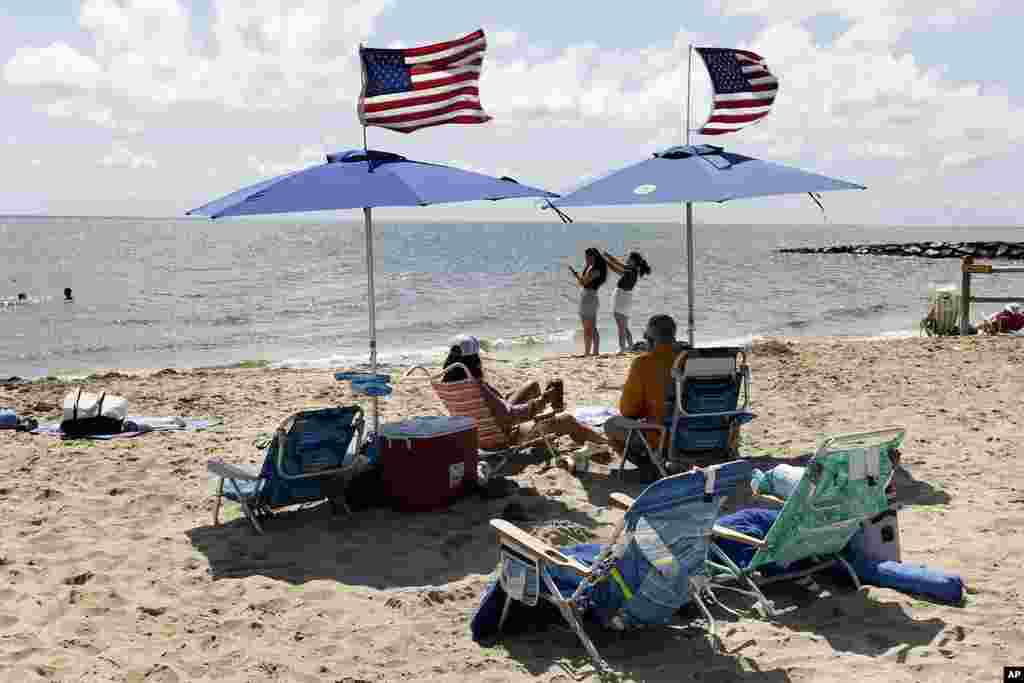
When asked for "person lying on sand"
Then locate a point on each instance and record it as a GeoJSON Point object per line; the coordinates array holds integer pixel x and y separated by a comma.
{"type": "Point", "coordinates": [521, 407]}
{"type": "Point", "coordinates": [1010, 319]}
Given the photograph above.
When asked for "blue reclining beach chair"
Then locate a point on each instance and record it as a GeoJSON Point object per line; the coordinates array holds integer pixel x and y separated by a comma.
{"type": "Point", "coordinates": [704, 409]}
{"type": "Point", "coordinates": [308, 460]}
{"type": "Point", "coordinates": [653, 565]}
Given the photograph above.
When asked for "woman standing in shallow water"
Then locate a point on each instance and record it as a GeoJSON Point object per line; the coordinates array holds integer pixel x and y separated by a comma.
{"type": "Point", "coordinates": [590, 280]}
{"type": "Point", "coordinates": [633, 269]}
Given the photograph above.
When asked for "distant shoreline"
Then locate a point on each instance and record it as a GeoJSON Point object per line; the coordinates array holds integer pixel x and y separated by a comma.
{"type": "Point", "coordinates": [515, 356]}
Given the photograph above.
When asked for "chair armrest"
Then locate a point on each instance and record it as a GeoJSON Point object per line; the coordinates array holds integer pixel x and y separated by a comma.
{"type": "Point", "coordinates": [417, 367]}
{"type": "Point", "coordinates": [630, 423]}
{"type": "Point", "coordinates": [727, 413]}
{"type": "Point", "coordinates": [228, 471]}
{"type": "Point", "coordinates": [733, 535]}
{"type": "Point", "coordinates": [621, 501]}
{"type": "Point", "coordinates": [533, 546]}
{"type": "Point", "coordinates": [769, 499]}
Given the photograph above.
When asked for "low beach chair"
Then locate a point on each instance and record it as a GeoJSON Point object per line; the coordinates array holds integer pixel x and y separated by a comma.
{"type": "Point", "coordinates": [465, 398]}
{"type": "Point", "coordinates": [844, 484]}
{"type": "Point", "coordinates": [704, 413]}
{"type": "Point", "coordinates": [654, 564]}
{"type": "Point", "coordinates": [307, 461]}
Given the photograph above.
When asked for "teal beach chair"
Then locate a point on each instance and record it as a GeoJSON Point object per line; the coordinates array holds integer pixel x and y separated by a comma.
{"type": "Point", "coordinates": [308, 460]}
{"type": "Point", "coordinates": [655, 563]}
{"type": "Point", "coordinates": [844, 484]}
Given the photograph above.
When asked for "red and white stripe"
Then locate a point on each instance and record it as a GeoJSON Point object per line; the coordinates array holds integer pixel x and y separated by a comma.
{"type": "Point", "coordinates": [731, 112]}
{"type": "Point", "coordinates": [466, 398]}
{"type": "Point", "coordinates": [445, 79]}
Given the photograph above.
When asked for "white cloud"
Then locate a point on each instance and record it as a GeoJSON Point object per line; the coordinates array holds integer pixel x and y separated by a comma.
{"type": "Point", "coordinates": [267, 55]}
{"type": "Point", "coordinates": [122, 157]}
{"type": "Point", "coordinates": [926, 13]}
{"type": "Point", "coordinates": [57, 66]}
{"type": "Point", "coordinates": [87, 109]}
{"type": "Point", "coordinates": [307, 156]}
{"type": "Point", "coordinates": [861, 106]}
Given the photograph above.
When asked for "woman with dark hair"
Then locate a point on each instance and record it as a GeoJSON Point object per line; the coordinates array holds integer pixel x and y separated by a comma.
{"type": "Point", "coordinates": [590, 280]}
{"type": "Point", "coordinates": [633, 269]}
{"type": "Point", "coordinates": [524, 404]}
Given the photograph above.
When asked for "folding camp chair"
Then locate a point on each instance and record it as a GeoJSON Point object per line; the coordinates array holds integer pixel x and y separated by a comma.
{"type": "Point", "coordinates": [654, 564]}
{"type": "Point", "coordinates": [465, 398]}
{"type": "Point", "coordinates": [844, 484]}
{"type": "Point", "coordinates": [307, 461]}
{"type": "Point", "coordinates": [703, 409]}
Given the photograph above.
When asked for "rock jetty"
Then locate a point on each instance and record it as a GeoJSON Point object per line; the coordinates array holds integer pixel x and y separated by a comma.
{"type": "Point", "coordinates": [987, 250]}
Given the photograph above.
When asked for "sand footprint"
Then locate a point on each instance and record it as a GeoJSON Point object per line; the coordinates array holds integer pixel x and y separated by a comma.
{"type": "Point", "coordinates": [161, 673]}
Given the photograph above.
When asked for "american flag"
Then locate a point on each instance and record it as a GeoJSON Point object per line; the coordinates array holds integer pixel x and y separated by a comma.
{"type": "Point", "coordinates": [417, 87]}
{"type": "Point", "coordinates": [744, 89]}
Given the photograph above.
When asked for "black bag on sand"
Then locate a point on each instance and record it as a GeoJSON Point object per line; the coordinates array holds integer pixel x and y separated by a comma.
{"type": "Point", "coordinates": [91, 414]}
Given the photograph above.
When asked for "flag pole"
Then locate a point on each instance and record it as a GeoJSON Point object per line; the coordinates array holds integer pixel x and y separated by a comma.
{"type": "Point", "coordinates": [368, 221]}
{"type": "Point", "coordinates": [689, 210]}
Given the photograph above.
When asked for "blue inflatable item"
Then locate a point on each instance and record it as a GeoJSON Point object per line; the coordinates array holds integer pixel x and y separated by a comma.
{"type": "Point", "coordinates": [907, 578]}
{"type": "Point", "coordinates": [8, 418]}
{"type": "Point", "coordinates": [362, 377]}
{"type": "Point", "coordinates": [371, 379]}
{"type": "Point", "coordinates": [904, 577]}
{"type": "Point", "coordinates": [371, 389]}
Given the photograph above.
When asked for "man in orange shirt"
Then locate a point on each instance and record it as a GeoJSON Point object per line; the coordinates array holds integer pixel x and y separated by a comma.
{"type": "Point", "coordinates": [649, 390]}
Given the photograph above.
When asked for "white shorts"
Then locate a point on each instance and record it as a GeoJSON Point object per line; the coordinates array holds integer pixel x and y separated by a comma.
{"type": "Point", "coordinates": [622, 302]}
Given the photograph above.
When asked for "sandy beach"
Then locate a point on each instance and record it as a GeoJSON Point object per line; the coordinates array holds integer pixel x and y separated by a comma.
{"type": "Point", "coordinates": [113, 571]}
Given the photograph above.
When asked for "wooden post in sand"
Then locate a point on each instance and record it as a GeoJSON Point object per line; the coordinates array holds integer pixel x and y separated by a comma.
{"type": "Point", "coordinates": [965, 294]}
{"type": "Point", "coordinates": [967, 268]}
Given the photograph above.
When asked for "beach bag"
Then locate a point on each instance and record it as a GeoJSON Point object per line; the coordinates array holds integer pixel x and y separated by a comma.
{"type": "Point", "coordinates": [88, 414]}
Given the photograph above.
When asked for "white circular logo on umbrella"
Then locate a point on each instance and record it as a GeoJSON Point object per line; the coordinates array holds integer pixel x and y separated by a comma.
{"type": "Point", "coordinates": [645, 189]}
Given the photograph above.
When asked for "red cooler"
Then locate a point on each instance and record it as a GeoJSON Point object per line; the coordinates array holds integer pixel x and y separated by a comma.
{"type": "Point", "coordinates": [428, 462]}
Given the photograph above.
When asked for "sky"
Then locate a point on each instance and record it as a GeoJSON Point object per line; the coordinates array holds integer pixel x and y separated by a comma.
{"type": "Point", "coordinates": [152, 107]}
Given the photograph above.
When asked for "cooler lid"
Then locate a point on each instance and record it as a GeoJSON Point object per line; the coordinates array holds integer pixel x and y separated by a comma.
{"type": "Point", "coordinates": [426, 427]}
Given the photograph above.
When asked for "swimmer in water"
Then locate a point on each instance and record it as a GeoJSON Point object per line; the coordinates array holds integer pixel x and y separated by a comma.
{"type": "Point", "coordinates": [22, 296]}
{"type": "Point", "coordinates": [67, 294]}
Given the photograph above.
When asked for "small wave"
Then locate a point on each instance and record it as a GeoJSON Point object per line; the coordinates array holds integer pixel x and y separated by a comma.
{"type": "Point", "coordinates": [136, 323]}
{"type": "Point", "coordinates": [855, 313]}
{"type": "Point", "coordinates": [230, 321]}
{"type": "Point", "coordinates": [527, 340]}
{"type": "Point", "coordinates": [426, 356]}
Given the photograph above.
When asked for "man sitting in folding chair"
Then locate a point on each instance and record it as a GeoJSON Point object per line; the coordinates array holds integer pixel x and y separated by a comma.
{"type": "Point", "coordinates": [647, 396]}
{"type": "Point", "coordinates": [681, 402]}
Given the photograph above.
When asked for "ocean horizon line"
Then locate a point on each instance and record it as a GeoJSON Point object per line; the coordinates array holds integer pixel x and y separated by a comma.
{"type": "Point", "coordinates": [325, 217]}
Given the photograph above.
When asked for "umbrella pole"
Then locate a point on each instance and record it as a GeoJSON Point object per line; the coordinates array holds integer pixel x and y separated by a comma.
{"type": "Point", "coordinates": [689, 207]}
{"type": "Point", "coordinates": [689, 269]}
{"type": "Point", "coordinates": [368, 218]}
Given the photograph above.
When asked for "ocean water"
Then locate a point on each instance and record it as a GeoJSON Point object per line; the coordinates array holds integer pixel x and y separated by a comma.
{"type": "Point", "coordinates": [154, 293]}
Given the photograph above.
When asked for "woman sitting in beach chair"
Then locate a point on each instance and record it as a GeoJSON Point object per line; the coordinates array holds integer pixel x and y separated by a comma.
{"type": "Point", "coordinates": [522, 410]}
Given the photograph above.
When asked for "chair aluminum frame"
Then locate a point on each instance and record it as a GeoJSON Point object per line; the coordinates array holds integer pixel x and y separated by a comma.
{"type": "Point", "coordinates": [660, 456]}
{"type": "Point", "coordinates": [514, 444]}
{"type": "Point", "coordinates": [725, 570]}
{"type": "Point", "coordinates": [603, 568]}
{"type": "Point", "coordinates": [234, 473]}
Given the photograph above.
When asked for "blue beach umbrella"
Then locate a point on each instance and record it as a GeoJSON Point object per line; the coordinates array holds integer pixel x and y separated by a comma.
{"type": "Point", "coordinates": [698, 173]}
{"type": "Point", "coordinates": [365, 179]}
